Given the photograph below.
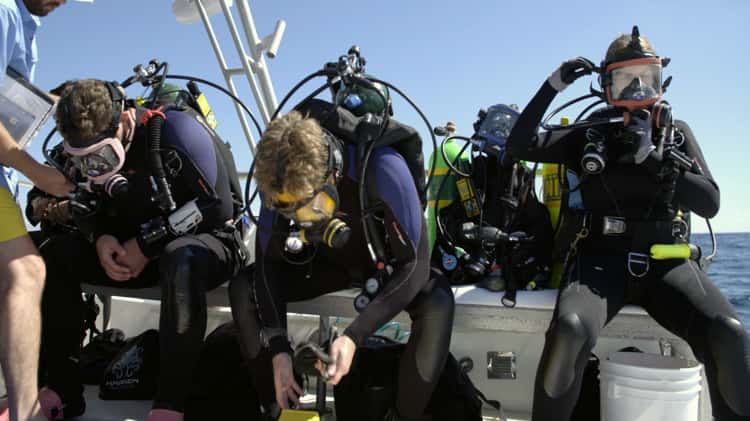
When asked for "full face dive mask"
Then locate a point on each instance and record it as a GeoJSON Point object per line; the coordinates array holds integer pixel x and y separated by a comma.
{"type": "Point", "coordinates": [632, 76]}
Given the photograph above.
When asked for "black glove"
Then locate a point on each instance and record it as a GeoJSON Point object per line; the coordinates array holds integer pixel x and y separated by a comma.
{"type": "Point", "coordinates": [569, 71]}
{"type": "Point", "coordinates": [660, 168]}
{"type": "Point", "coordinates": [84, 209]}
{"type": "Point", "coordinates": [59, 212]}
{"type": "Point", "coordinates": [638, 135]}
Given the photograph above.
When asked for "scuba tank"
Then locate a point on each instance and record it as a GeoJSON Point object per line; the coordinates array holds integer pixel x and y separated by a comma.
{"type": "Point", "coordinates": [203, 105]}
{"type": "Point", "coordinates": [551, 183]}
{"type": "Point", "coordinates": [552, 191]}
{"type": "Point", "coordinates": [551, 174]}
{"type": "Point", "coordinates": [443, 177]}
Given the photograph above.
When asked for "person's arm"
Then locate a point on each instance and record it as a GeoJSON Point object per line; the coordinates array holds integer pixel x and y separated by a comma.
{"type": "Point", "coordinates": [267, 288]}
{"type": "Point", "coordinates": [405, 227]}
{"type": "Point", "coordinates": [271, 307]}
{"type": "Point", "coordinates": [43, 176]}
{"type": "Point", "coordinates": [11, 154]}
{"type": "Point", "coordinates": [696, 189]}
{"type": "Point", "coordinates": [524, 142]}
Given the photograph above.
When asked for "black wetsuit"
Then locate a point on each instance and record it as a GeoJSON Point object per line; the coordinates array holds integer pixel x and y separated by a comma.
{"type": "Point", "coordinates": [518, 212]}
{"type": "Point", "coordinates": [602, 277]}
{"type": "Point", "coordinates": [185, 267]}
{"type": "Point", "coordinates": [412, 287]}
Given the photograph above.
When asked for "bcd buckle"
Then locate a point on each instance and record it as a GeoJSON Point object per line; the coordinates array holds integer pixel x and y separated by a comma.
{"type": "Point", "coordinates": [638, 261]}
{"type": "Point", "coordinates": [612, 225]}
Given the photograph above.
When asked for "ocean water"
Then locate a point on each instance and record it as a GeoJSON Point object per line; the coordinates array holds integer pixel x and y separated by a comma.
{"type": "Point", "coordinates": [731, 269]}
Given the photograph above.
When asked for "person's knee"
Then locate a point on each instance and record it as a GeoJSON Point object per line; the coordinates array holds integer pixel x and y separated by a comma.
{"type": "Point", "coordinates": [730, 347]}
{"type": "Point", "coordinates": [570, 339]}
{"type": "Point", "coordinates": [437, 304]}
{"type": "Point", "coordinates": [440, 301]}
{"type": "Point", "coordinates": [431, 329]}
{"type": "Point", "coordinates": [24, 275]}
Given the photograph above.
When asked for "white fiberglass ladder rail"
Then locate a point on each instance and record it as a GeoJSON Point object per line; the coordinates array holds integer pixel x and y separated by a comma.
{"type": "Point", "coordinates": [252, 66]}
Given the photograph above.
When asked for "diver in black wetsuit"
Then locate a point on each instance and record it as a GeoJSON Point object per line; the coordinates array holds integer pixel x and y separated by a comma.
{"type": "Point", "coordinates": [129, 241]}
{"type": "Point", "coordinates": [632, 185]}
{"type": "Point", "coordinates": [309, 176]}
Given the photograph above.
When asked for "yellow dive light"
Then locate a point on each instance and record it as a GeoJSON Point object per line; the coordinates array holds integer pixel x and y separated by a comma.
{"type": "Point", "coordinates": [298, 415]}
{"type": "Point", "coordinates": [675, 251]}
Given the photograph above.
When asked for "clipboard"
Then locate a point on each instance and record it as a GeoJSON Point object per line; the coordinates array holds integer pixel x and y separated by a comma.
{"type": "Point", "coordinates": [24, 108]}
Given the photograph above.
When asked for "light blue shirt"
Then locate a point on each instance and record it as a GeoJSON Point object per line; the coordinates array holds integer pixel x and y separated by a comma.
{"type": "Point", "coordinates": [17, 50]}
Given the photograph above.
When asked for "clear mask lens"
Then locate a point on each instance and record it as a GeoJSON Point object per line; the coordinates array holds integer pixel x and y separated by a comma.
{"type": "Point", "coordinates": [636, 82]}
{"type": "Point", "coordinates": [321, 207]}
{"type": "Point", "coordinates": [497, 125]}
{"type": "Point", "coordinates": [100, 162]}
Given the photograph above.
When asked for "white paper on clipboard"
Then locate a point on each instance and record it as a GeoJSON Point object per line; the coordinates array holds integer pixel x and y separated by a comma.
{"type": "Point", "coordinates": [24, 108]}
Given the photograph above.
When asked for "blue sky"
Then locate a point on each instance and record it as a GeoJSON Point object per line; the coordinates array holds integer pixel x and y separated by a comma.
{"type": "Point", "coordinates": [451, 57]}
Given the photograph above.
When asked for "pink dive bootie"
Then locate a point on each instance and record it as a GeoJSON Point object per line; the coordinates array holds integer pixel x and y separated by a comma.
{"type": "Point", "coordinates": [51, 404]}
{"type": "Point", "coordinates": [49, 401]}
{"type": "Point", "coordinates": [164, 415]}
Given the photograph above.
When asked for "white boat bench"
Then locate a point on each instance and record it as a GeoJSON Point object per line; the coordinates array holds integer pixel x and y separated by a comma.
{"type": "Point", "coordinates": [502, 344]}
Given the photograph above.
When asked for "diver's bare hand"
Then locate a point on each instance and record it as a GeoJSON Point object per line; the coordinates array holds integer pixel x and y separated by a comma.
{"type": "Point", "coordinates": [287, 389]}
{"type": "Point", "coordinates": [108, 248]}
{"type": "Point", "coordinates": [342, 352]}
{"type": "Point", "coordinates": [133, 259]}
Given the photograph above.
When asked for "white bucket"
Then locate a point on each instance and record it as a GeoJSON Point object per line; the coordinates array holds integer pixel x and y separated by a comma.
{"type": "Point", "coordinates": [649, 387]}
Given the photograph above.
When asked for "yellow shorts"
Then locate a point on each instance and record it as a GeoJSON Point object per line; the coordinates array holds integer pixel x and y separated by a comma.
{"type": "Point", "coordinates": [11, 220]}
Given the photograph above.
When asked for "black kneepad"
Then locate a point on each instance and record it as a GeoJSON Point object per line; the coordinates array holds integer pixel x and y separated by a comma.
{"type": "Point", "coordinates": [730, 348]}
{"type": "Point", "coordinates": [570, 337]}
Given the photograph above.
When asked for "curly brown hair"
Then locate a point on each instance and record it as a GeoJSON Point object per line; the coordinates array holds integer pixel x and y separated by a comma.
{"type": "Point", "coordinates": [291, 158]}
{"type": "Point", "coordinates": [84, 111]}
{"type": "Point", "coordinates": [620, 47]}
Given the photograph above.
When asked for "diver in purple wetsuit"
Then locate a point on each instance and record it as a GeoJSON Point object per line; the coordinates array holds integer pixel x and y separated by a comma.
{"type": "Point", "coordinates": [129, 240]}
{"type": "Point", "coordinates": [308, 175]}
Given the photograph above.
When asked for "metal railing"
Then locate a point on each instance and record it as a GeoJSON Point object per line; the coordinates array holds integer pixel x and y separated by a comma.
{"type": "Point", "coordinates": [253, 64]}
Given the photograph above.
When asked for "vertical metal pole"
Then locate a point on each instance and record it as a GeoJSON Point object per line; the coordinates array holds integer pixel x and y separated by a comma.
{"type": "Point", "coordinates": [324, 328]}
{"type": "Point", "coordinates": [259, 61]}
{"type": "Point", "coordinates": [264, 109]}
{"type": "Point", "coordinates": [225, 72]}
